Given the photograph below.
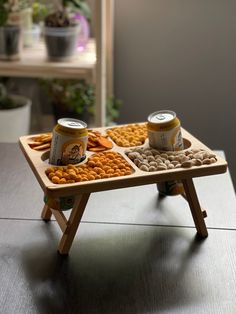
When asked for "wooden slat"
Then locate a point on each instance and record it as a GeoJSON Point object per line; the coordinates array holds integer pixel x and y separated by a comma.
{"type": "Point", "coordinates": [109, 48]}
{"type": "Point", "coordinates": [195, 207]}
{"type": "Point", "coordinates": [73, 223]}
{"type": "Point", "coordinates": [204, 212]}
{"type": "Point", "coordinates": [60, 218]}
{"type": "Point", "coordinates": [100, 111]}
{"type": "Point", "coordinates": [34, 63]}
{"type": "Point", "coordinates": [46, 213]}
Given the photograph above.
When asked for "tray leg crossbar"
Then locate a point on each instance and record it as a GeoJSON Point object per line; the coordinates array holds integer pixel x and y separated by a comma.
{"type": "Point", "coordinates": [198, 215]}
{"type": "Point", "coordinates": [70, 226]}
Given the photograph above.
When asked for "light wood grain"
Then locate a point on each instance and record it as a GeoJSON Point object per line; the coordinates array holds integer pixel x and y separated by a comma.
{"type": "Point", "coordinates": [34, 63]}
{"type": "Point", "coordinates": [101, 66]}
{"type": "Point", "coordinates": [194, 205]}
{"type": "Point", "coordinates": [60, 218]}
{"type": "Point", "coordinates": [73, 223]}
{"type": "Point", "coordinates": [46, 213]}
{"type": "Point", "coordinates": [138, 177]}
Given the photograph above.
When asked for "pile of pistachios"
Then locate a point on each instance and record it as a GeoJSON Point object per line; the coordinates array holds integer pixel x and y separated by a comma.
{"type": "Point", "coordinates": [149, 159]}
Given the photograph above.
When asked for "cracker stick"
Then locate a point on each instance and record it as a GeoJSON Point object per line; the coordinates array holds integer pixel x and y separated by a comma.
{"type": "Point", "coordinates": [47, 140]}
{"type": "Point", "coordinates": [43, 146]}
{"type": "Point", "coordinates": [33, 144]}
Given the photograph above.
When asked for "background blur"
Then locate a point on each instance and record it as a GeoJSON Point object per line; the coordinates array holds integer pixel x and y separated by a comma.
{"type": "Point", "coordinates": [179, 55]}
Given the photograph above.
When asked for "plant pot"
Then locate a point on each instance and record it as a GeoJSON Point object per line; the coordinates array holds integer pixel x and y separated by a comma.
{"type": "Point", "coordinates": [26, 18]}
{"type": "Point", "coordinates": [10, 43]}
{"type": "Point", "coordinates": [61, 42]}
{"type": "Point", "coordinates": [31, 37]}
{"type": "Point", "coordinates": [15, 122]}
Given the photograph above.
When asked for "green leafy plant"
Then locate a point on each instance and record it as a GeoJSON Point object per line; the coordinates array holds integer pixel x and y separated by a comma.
{"type": "Point", "coordinates": [8, 9]}
{"type": "Point", "coordinates": [6, 101]}
{"type": "Point", "coordinates": [81, 6]}
{"type": "Point", "coordinates": [63, 15]}
{"type": "Point", "coordinates": [23, 4]}
{"type": "Point", "coordinates": [71, 95]}
{"type": "Point", "coordinates": [39, 12]}
{"type": "Point", "coordinates": [78, 97]}
{"type": "Point", "coordinates": [3, 12]}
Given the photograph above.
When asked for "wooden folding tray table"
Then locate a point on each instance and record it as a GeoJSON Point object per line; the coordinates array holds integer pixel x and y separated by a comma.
{"type": "Point", "coordinates": [38, 162]}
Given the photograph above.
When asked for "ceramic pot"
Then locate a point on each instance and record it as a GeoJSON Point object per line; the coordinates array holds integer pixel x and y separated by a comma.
{"type": "Point", "coordinates": [15, 122]}
{"type": "Point", "coordinates": [31, 37]}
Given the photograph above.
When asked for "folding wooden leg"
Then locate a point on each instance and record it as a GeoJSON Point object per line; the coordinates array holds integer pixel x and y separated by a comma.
{"type": "Point", "coordinates": [204, 212]}
{"type": "Point", "coordinates": [194, 205]}
{"type": "Point", "coordinates": [73, 223]}
{"type": "Point", "coordinates": [46, 213]}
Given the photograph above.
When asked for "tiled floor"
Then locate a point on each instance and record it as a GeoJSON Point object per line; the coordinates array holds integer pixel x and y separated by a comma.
{"type": "Point", "coordinates": [127, 257]}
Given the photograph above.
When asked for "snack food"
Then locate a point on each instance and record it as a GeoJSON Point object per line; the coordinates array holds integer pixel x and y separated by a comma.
{"type": "Point", "coordinates": [98, 166]}
{"type": "Point", "coordinates": [129, 135]}
{"type": "Point", "coordinates": [150, 159]}
{"type": "Point", "coordinates": [98, 142]}
{"type": "Point", "coordinates": [41, 142]}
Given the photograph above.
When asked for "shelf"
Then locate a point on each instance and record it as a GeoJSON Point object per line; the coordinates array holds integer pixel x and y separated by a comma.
{"type": "Point", "coordinates": [34, 63]}
{"type": "Point", "coordinates": [94, 64]}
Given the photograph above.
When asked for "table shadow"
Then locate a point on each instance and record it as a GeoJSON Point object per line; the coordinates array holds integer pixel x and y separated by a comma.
{"type": "Point", "coordinates": [128, 270]}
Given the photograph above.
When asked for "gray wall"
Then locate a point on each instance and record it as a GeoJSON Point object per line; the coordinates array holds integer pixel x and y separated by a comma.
{"type": "Point", "coordinates": [179, 55]}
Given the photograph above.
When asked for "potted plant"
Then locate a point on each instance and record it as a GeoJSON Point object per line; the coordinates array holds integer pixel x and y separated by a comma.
{"type": "Point", "coordinates": [71, 98]}
{"type": "Point", "coordinates": [39, 12]}
{"type": "Point", "coordinates": [10, 30]}
{"type": "Point", "coordinates": [76, 99]}
{"type": "Point", "coordinates": [14, 116]}
{"type": "Point", "coordinates": [61, 32]}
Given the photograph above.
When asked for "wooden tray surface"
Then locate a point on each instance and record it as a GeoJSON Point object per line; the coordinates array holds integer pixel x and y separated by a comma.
{"type": "Point", "coordinates": [38, 161]}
